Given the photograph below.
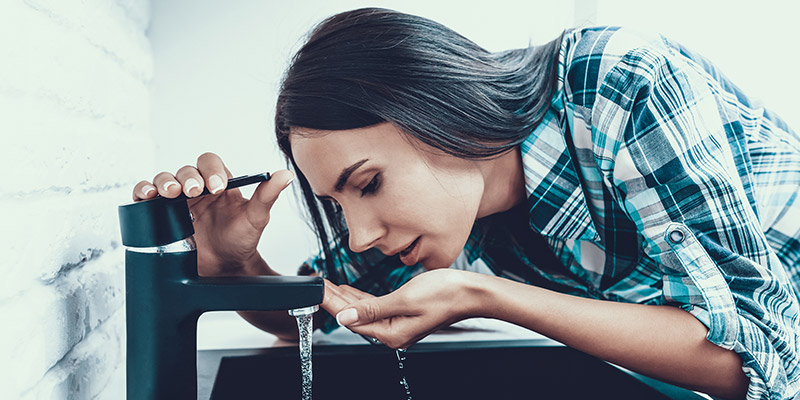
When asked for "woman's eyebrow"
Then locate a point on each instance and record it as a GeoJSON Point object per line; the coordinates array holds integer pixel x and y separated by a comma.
{"type": "Point", "coordinates": [345, 175]}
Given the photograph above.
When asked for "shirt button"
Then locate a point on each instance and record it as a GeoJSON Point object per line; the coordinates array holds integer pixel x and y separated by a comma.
{"type": "Point", "coordinates": [676, 236]}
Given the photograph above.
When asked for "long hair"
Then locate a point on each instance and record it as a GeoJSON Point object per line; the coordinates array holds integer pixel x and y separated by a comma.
{"type": "Point", "coordinates": [367, 66]}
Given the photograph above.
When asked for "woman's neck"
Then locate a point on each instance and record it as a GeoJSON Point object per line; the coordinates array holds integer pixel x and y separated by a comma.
{"type": "Point", "coordinates": [504, 183]}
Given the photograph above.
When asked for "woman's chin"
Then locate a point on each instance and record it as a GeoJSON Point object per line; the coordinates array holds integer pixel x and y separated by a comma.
{"type": "Point", "coordinates": [432, 263]}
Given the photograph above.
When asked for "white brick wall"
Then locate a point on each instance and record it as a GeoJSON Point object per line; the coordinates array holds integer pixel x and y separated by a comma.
{"type": "Point", "coordinates": [74, 124]}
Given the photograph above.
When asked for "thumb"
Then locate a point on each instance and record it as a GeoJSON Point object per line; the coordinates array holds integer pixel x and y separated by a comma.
{"type": "Point", "coordinates": [265, 195]}
{"type": "Point", "coordinates": [369, 310]}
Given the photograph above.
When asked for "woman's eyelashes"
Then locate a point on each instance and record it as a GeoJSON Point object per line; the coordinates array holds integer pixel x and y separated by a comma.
{"type": "Point", "coordinates": [372, 186]}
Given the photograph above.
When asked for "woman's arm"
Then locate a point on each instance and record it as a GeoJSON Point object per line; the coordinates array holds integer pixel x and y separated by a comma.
{"type": "Point", "coordinates": [675, 159]}
{"type": "Point", "coordinates": [663, 342]}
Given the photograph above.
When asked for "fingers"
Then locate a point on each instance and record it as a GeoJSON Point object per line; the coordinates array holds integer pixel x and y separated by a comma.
{"type": "Point", "coordinates": [354, 294]}
{"type": "Point", "coordinates": [333, 301]}
{"type": "Point", "coordinates": [338, 297]}
{"type": "Point", "coordinates": [395, 333]}
{"type": "Point", "coordinates": [186, 180]}
{"type": "Point", "coordinates": [214, 172]}
{"type": "Point", "coordinates": [167, 185]}
{"type": "Point", "coordinates": [267, 192]}
{"type": "Point", "coordinates": [164, 184]}
{"type": "Point", "coordinates": [190, 180]}
{"type": "Point", "coordinates": [376, 317]}
{"type": "Point", "coordinates": [210, 172]}
{"type": "Point", "coordinates": [369, 310]}
{"type": "Point", "coordinates": [144, 190]}
{"type": "Point", "coordinates": [265, 195]}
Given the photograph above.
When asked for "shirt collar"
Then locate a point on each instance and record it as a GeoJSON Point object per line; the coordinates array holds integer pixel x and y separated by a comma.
{"type": "Point", "coordinates": [557, 206]}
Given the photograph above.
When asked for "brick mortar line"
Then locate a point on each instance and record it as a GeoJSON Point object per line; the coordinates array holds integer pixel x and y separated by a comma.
{"type": "Point", "coordinates": [65, 190]}
{"type": "Point", "coordinates": [66, 23]}
{"type": "Point", "coordinates": [68, 356]}
{"type": "Point", "coordinates": [66, 268]}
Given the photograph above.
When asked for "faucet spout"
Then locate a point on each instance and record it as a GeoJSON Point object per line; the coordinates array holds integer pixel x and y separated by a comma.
{"type": "Point", "coordinates": [299, 312]}
{"type": "Point", "coordinates": [254, 293]}
{"type": "Point", "coordinates": [165, 297]}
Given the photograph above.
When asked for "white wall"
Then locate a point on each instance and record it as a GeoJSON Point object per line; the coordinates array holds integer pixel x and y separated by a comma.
{"type": "Point", "coordinates": [218, 66]}
{"type": "Point", "coordinates": [754, 43]}
{"type": "Point", "coordinates": [74, 123]}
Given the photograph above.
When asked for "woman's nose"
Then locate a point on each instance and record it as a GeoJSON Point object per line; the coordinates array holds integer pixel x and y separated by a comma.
{"type": "Point", "coordinates": [365, 229]}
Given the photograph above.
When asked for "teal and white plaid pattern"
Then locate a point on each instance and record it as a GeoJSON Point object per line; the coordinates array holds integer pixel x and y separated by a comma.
{"type": "Point", "coordinates": [653, 180]}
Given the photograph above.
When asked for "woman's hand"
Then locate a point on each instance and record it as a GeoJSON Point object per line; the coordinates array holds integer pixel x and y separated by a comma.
{"type": "Point", "coordinates": [227, 226]}
{"type": "Point", "coordinates": [427, 303]}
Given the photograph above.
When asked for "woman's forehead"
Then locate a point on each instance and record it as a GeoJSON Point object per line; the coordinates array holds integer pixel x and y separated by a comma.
{"type": "Point", "coordinates": [376, 137]}
{"type": "Point", "coordinates": [322, 154]}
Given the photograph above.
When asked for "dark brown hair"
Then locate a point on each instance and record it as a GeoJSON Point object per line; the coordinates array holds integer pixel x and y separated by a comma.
{"type": "Point", "coordinates": [370, 65]}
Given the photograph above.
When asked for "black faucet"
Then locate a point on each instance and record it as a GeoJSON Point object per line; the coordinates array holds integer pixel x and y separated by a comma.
{"type": "Point", "coordinates": [165, 297]}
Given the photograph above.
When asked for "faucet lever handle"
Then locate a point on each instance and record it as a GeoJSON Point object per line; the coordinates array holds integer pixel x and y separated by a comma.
{"type": "Point", "coordinates": [154, 223]}
{"type": "Point", "coordinates": [161, 221]}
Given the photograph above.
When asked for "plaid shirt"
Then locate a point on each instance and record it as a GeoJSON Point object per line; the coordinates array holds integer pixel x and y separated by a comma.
{"type": "Point", "coordinates": [652, 179]}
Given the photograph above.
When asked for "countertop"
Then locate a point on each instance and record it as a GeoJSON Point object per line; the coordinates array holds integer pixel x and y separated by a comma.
{"type": "Point", "coordinates": [230, 333]}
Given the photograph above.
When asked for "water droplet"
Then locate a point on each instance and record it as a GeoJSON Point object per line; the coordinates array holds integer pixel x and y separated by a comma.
{"type": "Point", "coordinates": [401, 356]}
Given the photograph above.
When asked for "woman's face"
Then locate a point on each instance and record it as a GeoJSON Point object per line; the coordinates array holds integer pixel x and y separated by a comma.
{"type": "Point", "coordinates": [397, 194]}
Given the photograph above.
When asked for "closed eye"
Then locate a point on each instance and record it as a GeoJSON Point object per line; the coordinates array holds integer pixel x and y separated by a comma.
{"type": "Point", "coordinates": [372, 186]}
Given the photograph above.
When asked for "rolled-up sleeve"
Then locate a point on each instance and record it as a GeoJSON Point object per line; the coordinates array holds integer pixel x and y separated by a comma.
{"type": "Point", "coordinates": [675, 175]}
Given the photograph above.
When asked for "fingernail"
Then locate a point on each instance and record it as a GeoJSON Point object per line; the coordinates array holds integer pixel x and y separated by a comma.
{"type": "Point", "coordinates": [289, 182]}
{"type": "Point", "coordinates": [169, 184]}
{"type": "Point", "coordinates": [147, 189]}
{"type": "Point", "coordinates": [347, 317]}
{"type": "Point", "coordinates": [191, 184]}
{"type": "Point", "coordinates": [215, 182]}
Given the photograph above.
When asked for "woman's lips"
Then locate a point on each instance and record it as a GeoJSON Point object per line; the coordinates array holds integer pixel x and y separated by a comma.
{"type": "Point", "coordinates": [410, 254]}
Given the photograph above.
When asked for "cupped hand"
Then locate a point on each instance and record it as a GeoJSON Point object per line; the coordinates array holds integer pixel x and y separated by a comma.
{"type": "Point", "coordinates": [227, 226]}
{"type": "Point", "coordinates": [427, 303]}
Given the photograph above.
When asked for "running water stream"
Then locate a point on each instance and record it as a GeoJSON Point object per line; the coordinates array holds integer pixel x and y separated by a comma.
{"type": "Point", "coordinates": [305, 319]}
{"type": "Point", "coordinates": [304, 324]}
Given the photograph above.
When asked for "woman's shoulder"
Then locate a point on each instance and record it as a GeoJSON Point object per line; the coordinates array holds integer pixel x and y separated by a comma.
{"type": "Point", "coordinates": [608, 42]}
{"type": "Point", "coordinates": [589, 54]}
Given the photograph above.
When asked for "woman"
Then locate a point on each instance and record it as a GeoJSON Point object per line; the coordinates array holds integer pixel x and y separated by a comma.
{"type": "Point", "coordinates": [632, 202]}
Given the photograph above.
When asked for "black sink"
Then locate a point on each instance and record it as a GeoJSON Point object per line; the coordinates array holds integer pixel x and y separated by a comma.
{"type": "Point", "coordinates": [521, 369]}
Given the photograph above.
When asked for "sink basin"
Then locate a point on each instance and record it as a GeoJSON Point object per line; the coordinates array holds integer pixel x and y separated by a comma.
{"type": "Point", "coordinates": [516, 369]}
